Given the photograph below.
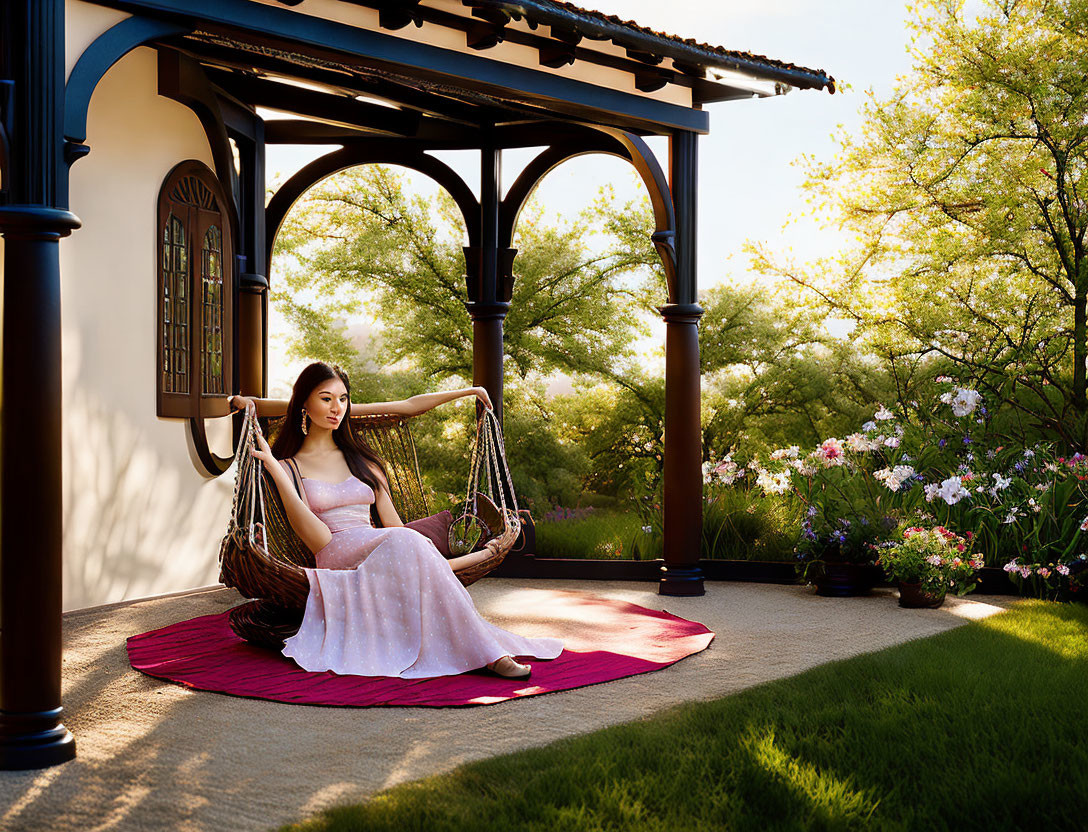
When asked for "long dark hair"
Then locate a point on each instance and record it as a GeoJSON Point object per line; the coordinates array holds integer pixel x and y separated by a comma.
{"type": "Point", "coordinates": [355, 449]}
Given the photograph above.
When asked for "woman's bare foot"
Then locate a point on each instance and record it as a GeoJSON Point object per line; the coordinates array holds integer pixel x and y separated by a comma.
{"type": "Point", "coordinates": [509, 669]}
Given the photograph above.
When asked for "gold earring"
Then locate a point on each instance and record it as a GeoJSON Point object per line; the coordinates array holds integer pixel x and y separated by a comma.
{"type": "Point", "coordinates": [304, 423]}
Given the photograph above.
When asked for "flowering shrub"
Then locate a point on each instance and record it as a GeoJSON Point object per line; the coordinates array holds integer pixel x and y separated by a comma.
{"type": "Point", "coordinates": [1051, 580]}
{"type": "Point", "coordinates": [853, 489]}
{"type": "Point", "coordinates": [936, 558]}
{"type": "Point", "coordinates": [941, 465]}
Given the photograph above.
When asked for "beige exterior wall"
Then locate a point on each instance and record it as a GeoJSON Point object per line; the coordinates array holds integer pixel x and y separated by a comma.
{"type": "Point", "coordinates": [83, 22]}
{"type": "Point", "coordinates": [139, 517]}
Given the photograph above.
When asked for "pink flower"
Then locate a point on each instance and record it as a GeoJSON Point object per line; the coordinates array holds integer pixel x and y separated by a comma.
{"type": "Point", "coordinates": [831, 451]}
{"type": "Point", "coordinates": [1044, 572]}
{"type": "Point", "coordinates": [1025, 571]}
{"type": "Point", "coordinates": [1063, 570]}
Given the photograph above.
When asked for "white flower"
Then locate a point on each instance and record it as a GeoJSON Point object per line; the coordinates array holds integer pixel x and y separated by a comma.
{"type": "Point", "coordinates": [931, 490]}
{"type": "Point", "coordinates": [858, 442]}
{"type": "Point", "coordinates": [1001, 483]}
{"type": "Point", "coordinates": [647, 529]}
{"type": "Point", "coordinates": [869, 426]}
{"type": "Point", "coordinates": [963, 401]}
{"type": "Point", "coordinates": [883, 414]}
{"type": "Point", "coordinates": [1011, 517]}
{"type": "Point", "coordinates": [934, 560]}
{"type": "Point", "coordinates": [952, 490]}
{"type": "Point", "coordinates": [786, 453]}
{"type": "Point", "coordinates": [892, 442]}
{"type": "Point", "coordinates": [1035, 506]}
{"type": "Point", "coordinates": [893, 478]}
{"type": "Point", "coordinates": [802, 467]}
{"type": "Point", "coordinates": [774, 483]}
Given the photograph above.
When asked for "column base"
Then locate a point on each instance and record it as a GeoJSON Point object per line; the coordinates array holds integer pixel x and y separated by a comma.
{"type": "Point", "coordinates": [34, 740]}
{"type": "Point", "coordinates": [681, 580]}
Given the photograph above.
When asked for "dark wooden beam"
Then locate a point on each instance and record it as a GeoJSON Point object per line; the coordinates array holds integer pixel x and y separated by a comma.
{"type": "Point", "coordinates": [347, 83]}
{"type": "Point", "coordinates": [310, 35]}
{"type": "Point", "coordinates": [555, 56]}
{"type": "Point", "coordinates": [481, 35]}
{"type": "Point", "coordinates": [337, 109]}
{"type": "Point", "coordinates": [378, 151]}
{"type": "Point", "coordinates": [651, 80]}
{"type": "Point", "coordinates": [396, 14]}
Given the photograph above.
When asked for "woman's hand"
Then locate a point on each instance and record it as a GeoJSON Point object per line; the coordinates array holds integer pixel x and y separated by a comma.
{"type": "Point", "coordinates": [481, 394]}
{"type": "Point", "coordinates": [262, 451]}
{"type": "Point", "coordinates": [238, 402]}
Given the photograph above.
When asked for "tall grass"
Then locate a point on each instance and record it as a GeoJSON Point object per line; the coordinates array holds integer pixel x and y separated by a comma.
{"type": "Point", "coordinates": [598, 534]}
{"type": "Point", "coordinates": [737, 524]}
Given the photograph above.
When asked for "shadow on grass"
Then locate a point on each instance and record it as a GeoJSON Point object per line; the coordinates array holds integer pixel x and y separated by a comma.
{"type": "Point", "coordinates": [974, 728]}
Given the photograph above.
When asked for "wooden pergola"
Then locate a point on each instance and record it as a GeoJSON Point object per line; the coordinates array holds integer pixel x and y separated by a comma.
{"type": "Point", "coordinates": [385, 99]}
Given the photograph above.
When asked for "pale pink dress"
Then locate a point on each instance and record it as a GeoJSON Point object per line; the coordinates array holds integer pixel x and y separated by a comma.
{"type": "Point", "coordinates": [384, 601]}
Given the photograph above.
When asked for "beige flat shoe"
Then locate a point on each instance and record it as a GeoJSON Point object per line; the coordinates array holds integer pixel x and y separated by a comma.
{"type": "Point", "coordinates": [507, 668]}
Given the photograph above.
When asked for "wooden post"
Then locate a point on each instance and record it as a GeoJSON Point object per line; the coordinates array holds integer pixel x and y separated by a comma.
{"type": "Point", "coordinates": [682, 504]}
{"type": "Point", "coordinates": [32, 223]}
{"type": "Point", "coordinates": [488, 289]}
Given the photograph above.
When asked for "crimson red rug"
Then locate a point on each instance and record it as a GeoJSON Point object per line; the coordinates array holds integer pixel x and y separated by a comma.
{"type": "Point", "coordinates": [604, 639]}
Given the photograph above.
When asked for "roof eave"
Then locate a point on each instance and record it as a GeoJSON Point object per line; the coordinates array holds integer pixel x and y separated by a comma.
{"type": "Point", "coordinates": [596, 29]}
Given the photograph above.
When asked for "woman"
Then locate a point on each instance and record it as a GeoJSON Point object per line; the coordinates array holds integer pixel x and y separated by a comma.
{"type": "Point", "coordinates": [383, 601]}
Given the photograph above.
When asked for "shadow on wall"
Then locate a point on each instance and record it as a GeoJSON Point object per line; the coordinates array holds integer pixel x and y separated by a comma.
{"type": "Point", "coordinates": [135, 524]}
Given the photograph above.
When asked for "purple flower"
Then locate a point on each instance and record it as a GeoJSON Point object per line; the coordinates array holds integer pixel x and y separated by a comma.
{"type": "Point", "coordinates": [941, 444]}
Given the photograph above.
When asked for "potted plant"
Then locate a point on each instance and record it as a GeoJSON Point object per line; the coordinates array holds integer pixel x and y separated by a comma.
{"type": "Point", "coordinates": [927, 563]}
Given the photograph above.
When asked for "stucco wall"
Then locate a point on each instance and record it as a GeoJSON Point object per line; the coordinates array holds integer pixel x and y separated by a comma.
{"type": "Point", "coordinates": [139, 517]}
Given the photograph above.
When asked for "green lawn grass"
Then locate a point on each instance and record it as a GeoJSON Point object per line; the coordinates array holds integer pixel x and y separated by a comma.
{"type": "Point", "coordinates": [981, 727]}
{"type": "Point", "coordinates": [604, 534]}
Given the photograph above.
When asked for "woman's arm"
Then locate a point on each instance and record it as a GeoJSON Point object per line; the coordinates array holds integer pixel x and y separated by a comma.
{"type": "Point", "coordinates": [307, 525]}
{"type": "Point", "coordinates": [383, 502]}
{"type": "Point", "coordinates": [418, 404]}
{"type": "Point", "coordinates": [265, 407]}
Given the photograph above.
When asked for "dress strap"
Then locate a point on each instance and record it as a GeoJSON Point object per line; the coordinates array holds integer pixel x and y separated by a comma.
{"type": "Point", "coordinates": [296, 476]}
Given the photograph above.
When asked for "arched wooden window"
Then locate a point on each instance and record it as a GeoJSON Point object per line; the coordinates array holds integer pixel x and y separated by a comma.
{"type": "Point", "coordinates": [194, 296]}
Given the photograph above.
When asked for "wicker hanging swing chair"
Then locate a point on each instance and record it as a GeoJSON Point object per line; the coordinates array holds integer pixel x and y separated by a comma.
{"type": "Point", "coordinates": [263, 558]}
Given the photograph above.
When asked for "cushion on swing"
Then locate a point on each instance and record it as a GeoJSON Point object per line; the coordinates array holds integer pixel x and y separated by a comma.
{"type": "Point", "coordinates": [437, 528]}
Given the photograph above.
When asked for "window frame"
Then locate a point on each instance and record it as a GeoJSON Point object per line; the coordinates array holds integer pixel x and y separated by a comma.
{"type": "Point", "coordinates": [196, 403]}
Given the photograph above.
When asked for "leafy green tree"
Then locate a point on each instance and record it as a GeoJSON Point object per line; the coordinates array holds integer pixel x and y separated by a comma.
{"type": "Point", "coordinates": [359, 234]}
{"type": "Point", "coordinates": [966, 191]}
{"type": "Point", "coordinates": [774, 376]}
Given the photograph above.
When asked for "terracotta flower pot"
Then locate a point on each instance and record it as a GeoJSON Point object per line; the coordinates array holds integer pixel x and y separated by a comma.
{"type": "Point", "coordinates": [911, 595]}
{"type": "Point", "coordinates": [842, 580]}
